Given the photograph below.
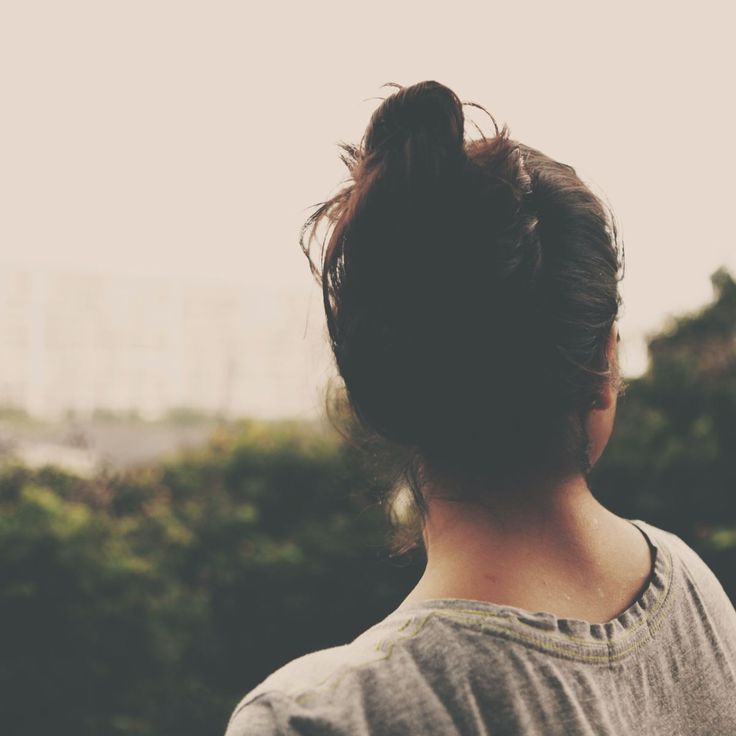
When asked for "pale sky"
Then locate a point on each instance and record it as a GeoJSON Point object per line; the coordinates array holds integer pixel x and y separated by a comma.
{"type": "Point", "coordinates": [190, 139]}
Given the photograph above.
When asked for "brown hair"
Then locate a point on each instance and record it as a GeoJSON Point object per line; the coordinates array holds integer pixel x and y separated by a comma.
{"type": "Point", "coordinates": [470, 287]}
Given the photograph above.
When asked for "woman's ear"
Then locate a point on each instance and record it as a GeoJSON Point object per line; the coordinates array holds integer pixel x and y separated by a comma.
{"type": "Point", "coordinates": [600, 420]}
{"type": "Point", "coordinates": [610, 391]}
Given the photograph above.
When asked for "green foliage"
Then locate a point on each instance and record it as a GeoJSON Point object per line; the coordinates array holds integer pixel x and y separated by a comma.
{"type": "Point", "coordinates": [149, 602]}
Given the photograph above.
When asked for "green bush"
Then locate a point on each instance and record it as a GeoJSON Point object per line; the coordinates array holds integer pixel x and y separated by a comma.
{"type": "Point", "coordinates": [149, 602]}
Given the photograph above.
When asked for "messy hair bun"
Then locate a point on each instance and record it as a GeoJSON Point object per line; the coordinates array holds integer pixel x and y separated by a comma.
{"type": "Point", "coordinates": [469, 289]}
{"type": "Point", "coordinates": [422, 127]}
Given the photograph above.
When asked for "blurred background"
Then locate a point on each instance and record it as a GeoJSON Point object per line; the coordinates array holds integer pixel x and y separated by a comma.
{"type": "Point", "coordinates": [177, 517]}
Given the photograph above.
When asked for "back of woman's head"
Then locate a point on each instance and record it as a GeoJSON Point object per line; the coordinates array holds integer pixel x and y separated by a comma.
{"type": "Point", "coordinates": [470, 288]}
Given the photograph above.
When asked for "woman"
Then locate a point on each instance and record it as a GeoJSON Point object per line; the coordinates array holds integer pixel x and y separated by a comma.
{"type": "Point", "coordinates": [471, 294]}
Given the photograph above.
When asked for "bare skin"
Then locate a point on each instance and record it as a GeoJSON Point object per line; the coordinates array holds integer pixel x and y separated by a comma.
{"type": "Point", "coordinates": [552, 547]}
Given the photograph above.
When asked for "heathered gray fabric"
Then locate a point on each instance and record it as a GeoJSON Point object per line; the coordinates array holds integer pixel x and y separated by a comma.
{"type": "Point", "coordinates": [667, 665]}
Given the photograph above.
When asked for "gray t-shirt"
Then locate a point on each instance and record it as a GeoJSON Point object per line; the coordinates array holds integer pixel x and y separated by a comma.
{"type": "Point", "coordinates": [666, 665]}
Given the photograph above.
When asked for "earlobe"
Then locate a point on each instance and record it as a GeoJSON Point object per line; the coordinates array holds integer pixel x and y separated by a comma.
{"type": "Point", "coordinates": [608, 394]}
{"type": "Point", "coordinates": [605, 399]}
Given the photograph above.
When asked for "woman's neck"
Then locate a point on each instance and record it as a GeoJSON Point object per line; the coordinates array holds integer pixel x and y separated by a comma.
{"type": "Point", "coordinates": [555, 549]}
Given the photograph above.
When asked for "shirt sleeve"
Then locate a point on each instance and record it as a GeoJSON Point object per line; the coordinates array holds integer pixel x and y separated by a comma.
{"type": "Point", "coordinates": [255, 718]}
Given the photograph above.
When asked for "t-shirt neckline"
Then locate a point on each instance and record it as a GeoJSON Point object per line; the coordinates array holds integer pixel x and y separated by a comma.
{"type": "Point", "coordinates": [568, 637]}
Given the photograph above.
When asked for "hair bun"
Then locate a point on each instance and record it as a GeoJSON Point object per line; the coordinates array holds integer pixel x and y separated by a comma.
{"type": "Point", "coordinates": [423, 124]}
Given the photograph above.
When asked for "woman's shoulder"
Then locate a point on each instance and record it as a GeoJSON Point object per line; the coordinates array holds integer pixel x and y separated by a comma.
{"type": "Point", "coordinates": [691, 565]}
{"type": "Point", "coordinates": [703, 601]}
{"type": "Point", "coordinates": [264, 709]}
{"type": "Point", "coordinates": [318, 684]}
